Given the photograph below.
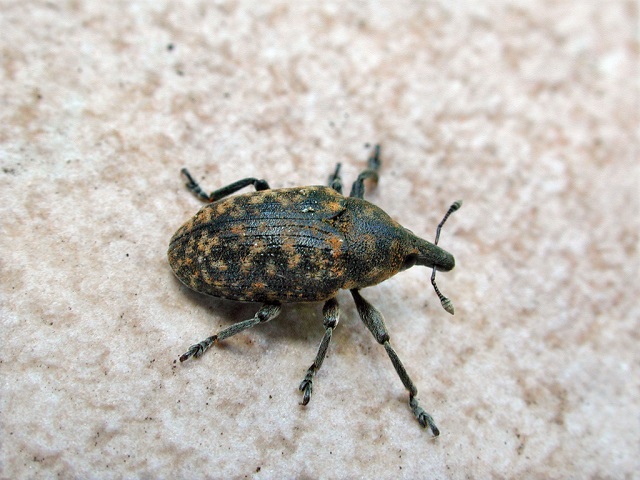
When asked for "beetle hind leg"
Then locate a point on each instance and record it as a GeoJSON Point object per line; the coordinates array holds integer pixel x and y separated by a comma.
{"type": "Point", "coordinates": [374, 321]}
{"type": "Point", "coordinates": [267, 312]}
{"type": "Point", "coordinates": [224, 191]}
{"type": "Point", "coordinates": [373, 165]}
{"type": "Point", "coordinates": [331, 312]}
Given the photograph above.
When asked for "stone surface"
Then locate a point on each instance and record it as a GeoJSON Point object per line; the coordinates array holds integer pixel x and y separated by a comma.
{"type": "Point", "coordinates": [526, 110]}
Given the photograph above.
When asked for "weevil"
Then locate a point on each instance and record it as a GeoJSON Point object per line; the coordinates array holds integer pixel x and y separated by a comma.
{"type": "Point", "coordinates": [301, 244]}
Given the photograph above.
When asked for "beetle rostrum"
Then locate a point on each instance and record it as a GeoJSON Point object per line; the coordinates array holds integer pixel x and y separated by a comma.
{"type": "Point", "coordinates": [301, 244]}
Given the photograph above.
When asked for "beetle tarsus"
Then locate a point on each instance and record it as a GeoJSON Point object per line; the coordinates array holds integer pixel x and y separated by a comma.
{"type": "Point", "coordinates": [374, 159]}
{"type": "Point", "coordinates": [423, 417]}
{"type": "Point", "coordinates": [192, 185]}
{"type": "Point", "coordinates": [306, 387]}
{"type": "Point", "coordinates": [357, 189]}
{"type": "Point", "coordinates": [267, 312]}
{"type": "Point", "coordinates": [190, 353]}
{"type": "Point", "coordinates": [199, 348]}
{"type": "Point", "coordinates": [335, 181]}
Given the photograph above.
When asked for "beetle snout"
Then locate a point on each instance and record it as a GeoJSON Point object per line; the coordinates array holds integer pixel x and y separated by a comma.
{"type": "Point", "coordinates": [446, 263]}
{"type": "Point", "coordinates": [433, 256]}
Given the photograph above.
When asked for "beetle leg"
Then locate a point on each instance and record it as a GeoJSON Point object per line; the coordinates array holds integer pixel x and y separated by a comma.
{"type": "Point", "coordinates": [331, 312]}
{"type": "Point", "coordinates": [357, 190]}
{"type": "Point", "coordinates": [267, 312]}
{"type": "Point", "coordinates": [335, 181]}
{"type": "Point", "coordinates": [224, 191]}
{"type": "Point", "coordinates": [374, 321]}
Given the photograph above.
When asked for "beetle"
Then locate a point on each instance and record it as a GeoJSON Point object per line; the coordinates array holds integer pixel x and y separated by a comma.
{"type": "Point", "coordinates": [301, 244]}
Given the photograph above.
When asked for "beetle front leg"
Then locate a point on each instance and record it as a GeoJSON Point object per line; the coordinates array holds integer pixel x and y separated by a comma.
{"type": "Point", "coordinates": [266, 313]}
{"type": "Point", "coordinates": [374, 321]}
{"type": "Point", "coordinates": [224, 191]}
{"type": "Point", "coordinates": [331, 312]}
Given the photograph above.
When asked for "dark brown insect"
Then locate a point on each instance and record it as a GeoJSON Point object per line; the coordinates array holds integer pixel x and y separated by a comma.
{"type": "Point", "coordinates": [301, 244]}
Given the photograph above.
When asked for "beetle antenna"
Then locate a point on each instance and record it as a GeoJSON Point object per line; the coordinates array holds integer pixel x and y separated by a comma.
{"type": "Point", "coordinates": [446, 303]}
{"type": "Point", "coordinates": [455, 206]}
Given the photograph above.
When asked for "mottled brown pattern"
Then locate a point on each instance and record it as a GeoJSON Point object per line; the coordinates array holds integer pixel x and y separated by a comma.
{"type": "Point", "coordinates": [264, 246]}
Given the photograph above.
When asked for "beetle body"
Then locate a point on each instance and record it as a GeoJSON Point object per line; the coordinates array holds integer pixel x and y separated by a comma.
{"type": "Point", "coordinates": [301, 244]}
{"type": "Point", "coordinates": [293, 245]}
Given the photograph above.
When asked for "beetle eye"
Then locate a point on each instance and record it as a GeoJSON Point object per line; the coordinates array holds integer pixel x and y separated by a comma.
{"type": "Point", "coordinates": [409, 261]}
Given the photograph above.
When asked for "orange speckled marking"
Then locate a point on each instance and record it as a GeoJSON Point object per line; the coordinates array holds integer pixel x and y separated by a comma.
{"type": "Point", "coordinates": [238, 229]}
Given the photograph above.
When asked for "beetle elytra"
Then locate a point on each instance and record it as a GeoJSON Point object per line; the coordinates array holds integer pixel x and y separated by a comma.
{"type": "Point", "coordinates": [301, 244]}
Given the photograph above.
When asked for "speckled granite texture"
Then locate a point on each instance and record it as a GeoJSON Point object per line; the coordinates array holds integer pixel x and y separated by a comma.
{"type": "Point", "coordinates": [526, 110]}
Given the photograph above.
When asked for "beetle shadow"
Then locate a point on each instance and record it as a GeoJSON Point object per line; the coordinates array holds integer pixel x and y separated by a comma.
{"type": "Point", "coordinates": [297, 322]}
